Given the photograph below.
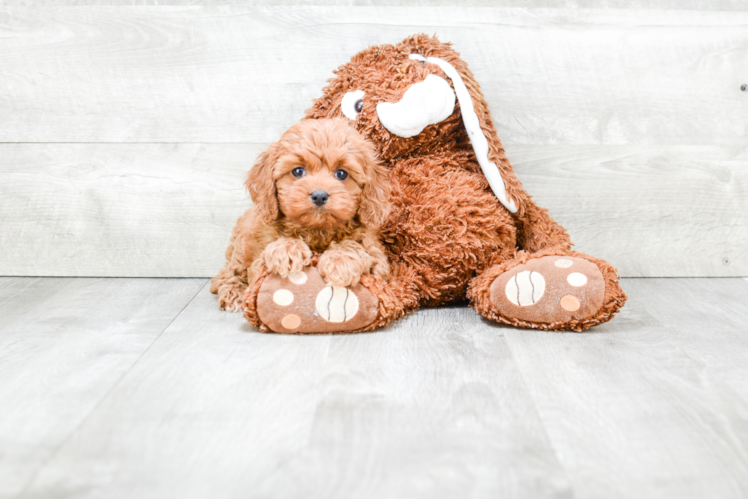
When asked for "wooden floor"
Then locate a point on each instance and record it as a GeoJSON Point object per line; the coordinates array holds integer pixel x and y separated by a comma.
{"type": "Point", "coordinates": [142, 387]}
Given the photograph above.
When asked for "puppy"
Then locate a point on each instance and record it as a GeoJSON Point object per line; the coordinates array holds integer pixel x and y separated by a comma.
{"type": "Point", "coordinates": [319, 190]}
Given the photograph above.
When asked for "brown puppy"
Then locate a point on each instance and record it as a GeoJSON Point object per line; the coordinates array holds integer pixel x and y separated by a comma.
{"type": "Point", "coordinates": [319, 190]}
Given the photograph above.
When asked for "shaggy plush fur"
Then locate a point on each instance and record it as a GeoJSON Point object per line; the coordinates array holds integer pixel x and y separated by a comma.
{"type": "Point", "coordinates": [447, 237]}
{"type": "Point", "coordinates": [285, 229]}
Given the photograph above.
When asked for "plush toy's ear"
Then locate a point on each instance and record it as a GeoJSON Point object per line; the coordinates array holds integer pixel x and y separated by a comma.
{"type": "Point", "coordinates": [261, 184]}
{"type": "Point", "coordinates": [477, 119]}
{"type": "Point", "coordinates": [374, 207]}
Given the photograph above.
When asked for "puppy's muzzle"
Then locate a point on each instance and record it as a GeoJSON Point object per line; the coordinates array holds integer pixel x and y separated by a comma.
{"type": "Point", "coordinates": [319, 197]}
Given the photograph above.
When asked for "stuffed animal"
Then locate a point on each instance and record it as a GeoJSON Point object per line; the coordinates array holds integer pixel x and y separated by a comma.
{"type": "Point", "coordinates": [461, 225]}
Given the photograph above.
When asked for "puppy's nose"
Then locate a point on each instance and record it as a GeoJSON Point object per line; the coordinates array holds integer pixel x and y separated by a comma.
{"type": "Point", "coordinates": [319, 198]}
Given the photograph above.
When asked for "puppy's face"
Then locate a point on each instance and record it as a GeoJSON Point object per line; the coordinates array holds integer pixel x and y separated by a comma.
{"type": "Point", "coordinates": [324, 174]}
{"type": "Point", "coordinates": [319, 188]}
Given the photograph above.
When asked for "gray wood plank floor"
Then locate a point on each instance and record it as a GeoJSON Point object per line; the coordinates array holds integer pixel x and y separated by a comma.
{"type": "Point", "coordinates": [142, 387]}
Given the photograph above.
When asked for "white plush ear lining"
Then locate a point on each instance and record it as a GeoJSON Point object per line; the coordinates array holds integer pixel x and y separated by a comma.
{"type": "Point", "coordinates": [474, 130]}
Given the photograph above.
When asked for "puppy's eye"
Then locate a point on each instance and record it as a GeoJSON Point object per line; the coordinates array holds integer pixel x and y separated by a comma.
{"type": "Point", "coordinates": [352, 104]}
{"type": "Point", "coordinates": [341, 174]}
{"type": "Point", "coordinates": [298, 172]}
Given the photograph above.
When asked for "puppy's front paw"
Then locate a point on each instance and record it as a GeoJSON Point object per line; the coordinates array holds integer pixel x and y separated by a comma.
{"type": "Point", "coordinates": [343, 267]}
{"type": "Point", "coordinates": [230, 299]}
{"type": "Point", "coordinates": [286, 256]}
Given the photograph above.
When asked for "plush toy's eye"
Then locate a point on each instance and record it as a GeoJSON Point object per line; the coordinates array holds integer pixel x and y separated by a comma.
{"type": "Point", "coordinates": [341, 174]}
{"type": "Point", "coordinates": [352, 104]}
{"type": "Point", "coordinates": [298, 172]}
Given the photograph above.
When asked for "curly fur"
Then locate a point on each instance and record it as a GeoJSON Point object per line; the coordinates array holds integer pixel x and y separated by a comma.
{"type": "Point", "coordinates": [447, 236]}
{"type": "Point", "coordinates": [284, 229]}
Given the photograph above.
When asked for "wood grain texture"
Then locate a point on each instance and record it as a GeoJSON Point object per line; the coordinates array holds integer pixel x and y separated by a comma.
{"type": "Point", "coordinates": [120, 209]}
{"type": "Point", "coordinates": [440, 404]}
{"type": "Point", "coordinates": [627, 122]}
{"type": "Point", "coordinates": [702, 5]}
{"type": "Point", "coordinates": [654, 403]}
{"type": "Point", "coordinates": [168, 209]}
{"type": "Point", "coordinates": [433, 407]}
{"type": "Point", "coordinates": [64, 343]}
{"type": "Point", "coordinates": [245, 73]}
{"type": "Point", "coordinates": [651, 211]}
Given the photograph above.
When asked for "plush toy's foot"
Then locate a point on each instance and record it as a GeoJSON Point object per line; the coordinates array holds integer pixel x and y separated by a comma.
{"type": "Point", "coordinates": [550, 292]}
{"type": "Point", "coordinates": [304, 303]}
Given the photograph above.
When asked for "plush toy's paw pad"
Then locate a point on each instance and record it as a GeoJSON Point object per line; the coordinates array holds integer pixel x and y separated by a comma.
{"type": "Point", "coordinates": [550, 289]}
{"type": "Point", "coordinates": [304, 303]}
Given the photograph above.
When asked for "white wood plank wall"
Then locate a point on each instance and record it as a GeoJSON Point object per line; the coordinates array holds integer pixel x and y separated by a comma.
{"type": "Point", "coordinates": [126, 130]}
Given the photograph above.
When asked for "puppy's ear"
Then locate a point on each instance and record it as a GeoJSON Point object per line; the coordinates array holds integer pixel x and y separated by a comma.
{"type": "Point", "coordinates": [374, 207]}
{"type": "Point", "coordinates": [261, 184]}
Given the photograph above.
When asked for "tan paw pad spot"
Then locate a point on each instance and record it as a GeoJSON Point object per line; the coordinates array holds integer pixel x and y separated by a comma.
{"type": "Point", "coordinates": [576, 279]}
{"type": "Point", "coordinates": [525, 288]}
{"type": "Point", "coordinates": [291, 321]}
{"type": "Point", "coordinates": [283, 297]}
{"type": "Point", "coordinates": [570, 303]}
{"type": "Point", "coordinates": [563, 263]}
{"type": "Point", "coordinates": [336, 304]}
{"type": "Point", "coordinates": [298, 278]}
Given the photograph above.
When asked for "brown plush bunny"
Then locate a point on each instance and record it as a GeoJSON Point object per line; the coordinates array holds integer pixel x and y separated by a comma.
{"type": "Point", "coordinates": [461, 225]}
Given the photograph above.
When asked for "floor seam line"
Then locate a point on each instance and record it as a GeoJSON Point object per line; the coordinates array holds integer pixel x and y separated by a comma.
{"type": "Point", "coordinates": [540, 417]}
{"type": "Point", "coordinates": [23, 492]}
